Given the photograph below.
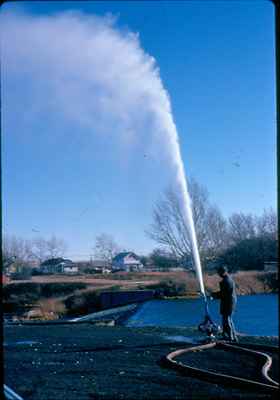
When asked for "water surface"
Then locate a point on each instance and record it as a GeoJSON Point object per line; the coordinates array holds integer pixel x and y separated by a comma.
{"type": "Point", "coordinates": [255, 314]}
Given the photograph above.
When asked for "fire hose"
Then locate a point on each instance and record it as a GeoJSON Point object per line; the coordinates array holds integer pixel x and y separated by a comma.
{"type": "Point", "coordinates": [270, 386]}
{"type": "Point", "coordinates": [209, 327]}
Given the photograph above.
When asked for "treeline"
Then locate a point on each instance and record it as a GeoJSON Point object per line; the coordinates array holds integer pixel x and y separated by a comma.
{"type": "Point", "coordinates": [242, 241]}
{"type": "Point", "coordinates": [249, 242]}
{"type": "Point", "coordinates": [25, 253]}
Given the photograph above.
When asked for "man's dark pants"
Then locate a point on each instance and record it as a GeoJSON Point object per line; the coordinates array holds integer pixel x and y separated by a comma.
{"type": "Point", "coordinates": [228, 326]}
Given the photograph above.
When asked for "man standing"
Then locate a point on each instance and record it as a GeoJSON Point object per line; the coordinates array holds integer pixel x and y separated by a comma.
{"type": "Point", "coordinates": [227, 298]}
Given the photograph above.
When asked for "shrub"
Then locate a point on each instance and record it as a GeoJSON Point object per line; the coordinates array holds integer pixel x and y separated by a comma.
{"type": "Point", "coordinates": [270, 281]}
{"type": "Point", "coordinates": [22, 275]}
{"type": "Point", "coordinates": [83, 303]}
{"type": "Point", "coordinates": [37, 290]}
{"type": "Point", "coordinates": [55, 289]}
{"type": "Point", "coordinates": [36, 272]}
{"type": "Point", "coordinates": [250, 254]}
{"type": "Point", "coordinates": [21, 289]}
{"type": "Point", "coordinates": [89, 271]}
{"type": "Point", "coordinates": [169, 288]}
{"type": "Point", "coordinates": [17, 295]}
{"type": "Point", "coordinates": [52, 308]}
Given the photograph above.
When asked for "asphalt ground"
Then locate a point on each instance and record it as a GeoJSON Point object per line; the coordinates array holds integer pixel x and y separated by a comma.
{"type": "Point", "coordinates": [84, 361]}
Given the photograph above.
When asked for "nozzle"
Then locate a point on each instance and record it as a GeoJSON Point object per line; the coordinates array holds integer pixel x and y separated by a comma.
{"type": "Point", "coordinates": [208, 326]}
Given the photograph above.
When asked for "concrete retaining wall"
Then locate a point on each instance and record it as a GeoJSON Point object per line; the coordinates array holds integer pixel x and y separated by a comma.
{"type": "Point", "coordinates": [115, 299]}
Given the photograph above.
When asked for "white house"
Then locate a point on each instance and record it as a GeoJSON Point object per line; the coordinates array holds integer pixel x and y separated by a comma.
{"type": "Point", "coordinates": [70, 269]}
{"type": "Point", "coordinates": [126, 261]}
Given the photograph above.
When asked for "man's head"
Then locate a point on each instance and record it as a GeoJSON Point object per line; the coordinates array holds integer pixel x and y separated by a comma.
{"type": "Point", "coordinates": [222, 271]}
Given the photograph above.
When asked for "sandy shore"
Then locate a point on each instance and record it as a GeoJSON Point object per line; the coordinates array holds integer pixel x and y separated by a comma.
{"type": "Point", "coordinates": [84, 361]}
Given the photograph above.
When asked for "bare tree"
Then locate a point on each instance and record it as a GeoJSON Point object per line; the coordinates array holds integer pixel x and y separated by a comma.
{"type": "Point", "coordinates": [242, 226]}
{"type": "Point", "coordinates": [267, 223]}
{"type": "Point", "coordinates": [248, 226]}
{"type": "Point", "coordinates": [55, 247]}
{"type": "Point", "coordinates": [217, 231]}
{"type": "Point", "coordinates": [39, 249]}
{"type": "Point", "coordinates": [14, 246]}
{"type": "Point", "coordinates": [16, 252]}
{"type": "Point", "coordinates": [43, 249]}
{"type": "Point", "coordinates": [163, 258]}
{"type": "Point", "coordinates": [170, 229]}
{"type": "Point", "coordinates": [105, 247]}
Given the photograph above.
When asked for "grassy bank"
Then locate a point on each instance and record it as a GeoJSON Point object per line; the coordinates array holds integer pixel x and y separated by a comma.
{"type": "Point", "coordinates": [247, 282]}
{"type": "Point", "coordinates": [53, 298]}
{"type": "Point", "coordinates": [46, 298]}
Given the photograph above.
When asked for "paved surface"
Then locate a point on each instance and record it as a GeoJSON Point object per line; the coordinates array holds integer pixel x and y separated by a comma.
{"type": "Point", "coordinates": [84, 361]}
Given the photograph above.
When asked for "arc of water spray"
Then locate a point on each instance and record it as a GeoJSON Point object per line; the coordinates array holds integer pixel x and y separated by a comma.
{"type": "Point", "coordinates": [207, 325]}
{"type": "Point", "coordinates": [184, 196]}
{"type": "Point", "coordinates": [188, 215]}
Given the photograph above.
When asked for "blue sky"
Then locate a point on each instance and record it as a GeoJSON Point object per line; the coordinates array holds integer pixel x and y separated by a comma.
{"type": "Point", "coordinates": [71, 169]}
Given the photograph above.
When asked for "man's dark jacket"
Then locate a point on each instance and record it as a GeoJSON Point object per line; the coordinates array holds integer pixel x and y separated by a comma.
{"type": "Point", "coordinates": [227, 295]}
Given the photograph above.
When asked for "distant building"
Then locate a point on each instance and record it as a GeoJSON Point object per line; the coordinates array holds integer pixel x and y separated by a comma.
{"type": "Point", "coordinates": [58, 266]}
{"type": "Point", "coordinates": [94, 267]}
{"type": "Point", "coordinates": [101, 266]}
{"type": "Point", "coordinates": [126, 261]}
{"type": "Point", "coordinates": [270, 266]}
{"type": "Point", "coordinates": [82, 265]}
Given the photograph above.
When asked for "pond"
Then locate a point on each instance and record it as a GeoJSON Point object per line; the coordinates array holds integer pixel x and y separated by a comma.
{"type": "Point", "coordinates": [255, 314]}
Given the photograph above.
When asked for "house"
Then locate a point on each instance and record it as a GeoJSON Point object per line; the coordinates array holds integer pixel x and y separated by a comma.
{"type": "Point", "coordinates": [58, 266]}
{"type": "Point", "coordinates": [126, 261]}
{"type": "Point", "coordinates": [70, 269]}
{"type": "Point", "coordinates": [94, 267]}
{"type": "Point", "coordinates": [101, 266]}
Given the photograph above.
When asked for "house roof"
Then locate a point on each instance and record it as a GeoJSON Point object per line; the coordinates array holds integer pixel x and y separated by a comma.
{"type": "Point", "coordinates": [122, 255]}
{"type": "Point", "coordinates": [55, 261]}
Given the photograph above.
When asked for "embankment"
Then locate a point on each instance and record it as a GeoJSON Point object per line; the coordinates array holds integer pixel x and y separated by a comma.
{"type": "Point", "coordinates": [249, 282]}
{"type": "Point", "coordinates": [51, 300]}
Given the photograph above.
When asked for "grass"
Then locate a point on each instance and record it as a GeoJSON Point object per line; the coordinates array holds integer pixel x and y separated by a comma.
{"type": "Point", "coordinates": [17, 296]}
